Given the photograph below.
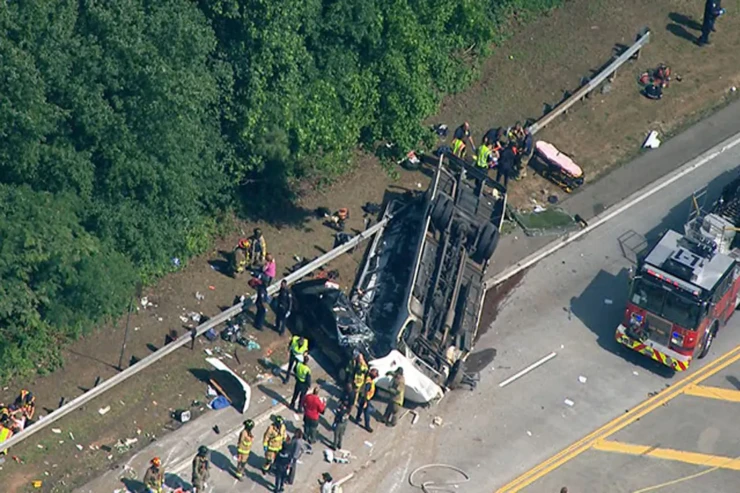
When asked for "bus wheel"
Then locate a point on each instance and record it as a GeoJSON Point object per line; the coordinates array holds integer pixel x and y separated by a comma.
{"type": "Point", "coordinates": [708, 339]}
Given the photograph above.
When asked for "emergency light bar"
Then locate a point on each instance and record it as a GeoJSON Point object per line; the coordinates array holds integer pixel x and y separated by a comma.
{"type": "Point", "coordinates": [671, 281]}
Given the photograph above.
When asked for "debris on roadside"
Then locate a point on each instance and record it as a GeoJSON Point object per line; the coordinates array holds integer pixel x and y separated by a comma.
{"type": "Point", "coordinates": [651, 141]}
{"type": "Point", "coordinates": [569, 403]}
{"type": "Point", "coordinates": [582, 379]}
{"type": "Point", "coordinates": [199, 296]}
{"type": "Point", "coordinates": [415, 417]}
{"type": "Point", "coordinates": [103, 410]}
{"type": "Point", "coordinates": [56, 430]}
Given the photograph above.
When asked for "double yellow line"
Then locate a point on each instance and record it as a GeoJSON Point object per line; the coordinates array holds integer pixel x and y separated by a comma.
{"type": "Point", "coordinates": [622, 421]}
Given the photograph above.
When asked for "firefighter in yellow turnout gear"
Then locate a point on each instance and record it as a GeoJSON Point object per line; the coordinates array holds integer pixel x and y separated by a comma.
{"type": "Point", "coordinates": [243, 448]}
{"type": "Point", "coordinates": [458, 148]}
{"type": "Point", "coordinates": [154, 477]}
{"type": "Point", "coordinates": [272, 442]}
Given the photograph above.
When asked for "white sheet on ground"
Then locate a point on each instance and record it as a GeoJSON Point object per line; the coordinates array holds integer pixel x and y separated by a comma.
{"type": "Point", "coordinates": [420, 388]}
{"type": "Point", "coordinates": [219, 365]}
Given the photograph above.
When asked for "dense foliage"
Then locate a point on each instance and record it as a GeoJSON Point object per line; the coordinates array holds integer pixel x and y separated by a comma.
{"type": "Point", "coordinates": [127, 128]}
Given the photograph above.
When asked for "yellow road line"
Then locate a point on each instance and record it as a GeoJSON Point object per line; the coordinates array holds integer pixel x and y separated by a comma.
{"type": "Point", "coordinates": [620, 422]}
{"type": "Point", "coordinates": [714, 393]}
{"type": "Point", "coordinates": [694, 458]}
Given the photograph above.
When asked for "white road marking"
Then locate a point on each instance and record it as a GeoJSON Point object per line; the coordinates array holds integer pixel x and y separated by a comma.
{"type": "Point", "coordinates": [531, 367]}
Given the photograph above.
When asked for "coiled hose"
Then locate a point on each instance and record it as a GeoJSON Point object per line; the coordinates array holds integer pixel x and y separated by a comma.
{"type": "Point", "coordinates": [429, 486]}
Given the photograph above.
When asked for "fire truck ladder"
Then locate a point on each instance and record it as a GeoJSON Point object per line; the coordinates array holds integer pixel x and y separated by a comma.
{"type": "Point", "coordinates": [633, 246]}
{"type": "Point", "coordinates": [698, 202]}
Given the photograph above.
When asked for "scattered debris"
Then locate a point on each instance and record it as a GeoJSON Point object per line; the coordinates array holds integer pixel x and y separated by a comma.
{"type": "Point", "coordinates": [71, 436]}
{"type": "Point", "coordinates": [130, 441]}
{"type": "Point", "coordinates": [252, 346]}
{"type": "Point", "coordinates": [368, 444]}
{"type": "Point", "coordinates": [103, 410]}
{"type": "Point", "coordinates": [175, 261]}
{"type": "Point", "coordinates": [56, 430]}
{"type": "Point", "coordinates": [437, 421]}
{"type": "Point", "coordinates": [262, 399]}
{"type": "Point", "coordinates": [208, 352]}
{"type": "Point", "coordinates": [608, 301]}
{"type": "Point", "coordinates": [582, 379]}
{"type": "Point", "coordinates": [529, 433]}
{"type": "Point", "coordinates": [199, 296]}
{"type": "Point", "coordinates": [569, 403]}
{"type": "Point", "coordinates": [184, 319]}
{"type": "Point", "coordinates": [40, 446]}
{"type": "Point", "coordinates": [195, 317]}
{"type": "Point", "coordinates": [144, 301]}
{"type": "Point", "coordinates": [652, 141]}
{"type": "Point", "coordinates": [212, 288]}
{"type": "Point", "coordinates": [79, 447]}
{"type": "Point", "coordinates": [635, 373]}
{"type": "Point", "coordinates": [36, 484]}
{"type": "Point", "coordinates": [211, 392]}
{"type": "Point", "coordinates": [160, 319]}
{"type": "Point", "coordinates": [328, 455]}
{"type": "Point", "coordinates": [415, 418]}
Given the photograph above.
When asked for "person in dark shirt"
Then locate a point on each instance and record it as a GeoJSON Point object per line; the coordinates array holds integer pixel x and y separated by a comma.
{"type": "Point", "coordinates": [463, 133]}
{"type": "Point", "coordinates": [712, 10]}
{"type": "Point", "coordinates": [283, 461]}
{"type": "Point", "coordinates": [506, 165]}
{"type": "Point", "coordinates": [283, 307]}
{"type": "Point", "coordinates": [340, 425]}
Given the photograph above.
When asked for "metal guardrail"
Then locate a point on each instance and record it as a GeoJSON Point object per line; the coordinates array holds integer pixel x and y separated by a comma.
{"type": "Point", "coordinates": [643, 38]}
{"type": "Point", "coordinates": [185, 339]}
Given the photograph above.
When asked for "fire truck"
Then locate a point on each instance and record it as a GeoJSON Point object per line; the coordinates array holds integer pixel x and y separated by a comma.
{"type": "Point", "coordinates": [686, 287]}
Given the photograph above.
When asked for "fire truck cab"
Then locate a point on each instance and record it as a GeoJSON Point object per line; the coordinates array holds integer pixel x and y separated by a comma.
{"type": "Point", "coordinates": [686, 287]}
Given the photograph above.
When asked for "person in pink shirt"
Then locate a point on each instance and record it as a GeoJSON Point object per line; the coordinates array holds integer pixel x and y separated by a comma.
{"type": "Point", "coordinates": [269, 270]}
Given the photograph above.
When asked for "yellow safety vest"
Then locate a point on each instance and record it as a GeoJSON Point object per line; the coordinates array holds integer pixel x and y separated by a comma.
{"type": "Point", "coordinates": [483, 155]}
{"type": "Point", "coordinates": [5, 434]}
{"type": "Point", "coordinates": [295, 348]}
{"type": "Point", "coordinates": [370, 392]}
{"type": "Point", "coordinates": [359, 377]}
{"type": "Point", "coordinates": [458, 147]}
{"type": "Point", "coordinates": [301, 371]}
{"type": "Point", "coordinates": [245, 443]}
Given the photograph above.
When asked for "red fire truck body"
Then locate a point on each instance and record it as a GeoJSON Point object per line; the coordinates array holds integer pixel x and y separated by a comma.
{"type": "Point", "coordinates": [686, 288]}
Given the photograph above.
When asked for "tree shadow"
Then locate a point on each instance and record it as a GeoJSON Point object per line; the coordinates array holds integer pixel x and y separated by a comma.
{"type": "Point", "coordinates": [681, 32]}
{"type": "Point", "coordinates": [685, 21]}
{"type": "Point", "coordinates": [132, 485]}
{"type": "Point", "coordinates": [92, 358]}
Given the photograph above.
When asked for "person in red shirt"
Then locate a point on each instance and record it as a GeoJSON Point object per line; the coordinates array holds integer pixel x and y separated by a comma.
{"type": "Point", "coordinates": [313, 407]}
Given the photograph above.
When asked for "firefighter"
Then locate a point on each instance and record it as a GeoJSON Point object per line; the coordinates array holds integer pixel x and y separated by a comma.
{"type": "Point", "coordinates": [364, 404]}
{"type": "Point", "coordinates": [398, 386]}
{"type": "Point", "coordinates": [201, 470]}
{"type": "Point", "coordinates": [355, 374]}
{"type": "Point", "coordinates": [302, 383]}
{"type": "Point", "coordinates": [26, 402]}
{"type": "Point", "coordinates": [458, 148]}
{"type": "Point", "coordinates": [243, 448]}
{"type": "Point", "coordinates": [154, 476]}
{"type": "Point", "coordinates": [241, 256]}
{"type": "Point", "coordinates": [297, 348]}
{"type": "Point", "coordinates": [272, 441]}
{"type": "Point", "coordinates": [257, 248]}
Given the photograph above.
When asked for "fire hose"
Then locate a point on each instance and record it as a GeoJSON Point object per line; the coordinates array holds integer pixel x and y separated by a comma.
{"type": "Point", "coordinates": [429, 486]}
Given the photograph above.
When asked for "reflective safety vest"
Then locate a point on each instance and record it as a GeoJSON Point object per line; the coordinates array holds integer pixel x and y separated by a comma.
{"type": "Point", "coordinates": [369, 389]}
{"type": "Point", "coordinates": [484, 155]}
{"type": "Point", "coordinates": [458, 147]}
{"type": "Point", "coordinates": [296, 348]}
{"type": "Point", "coordinates": [302, 371]}
{"type": "Point", "coordinates": [5, 434]}
{"type": "Point", "coordinates": [245, 443]}
{"type": "Point", "coordinates": [274, 438]}
{"type": "Point", "coordinates": [360, 373]}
